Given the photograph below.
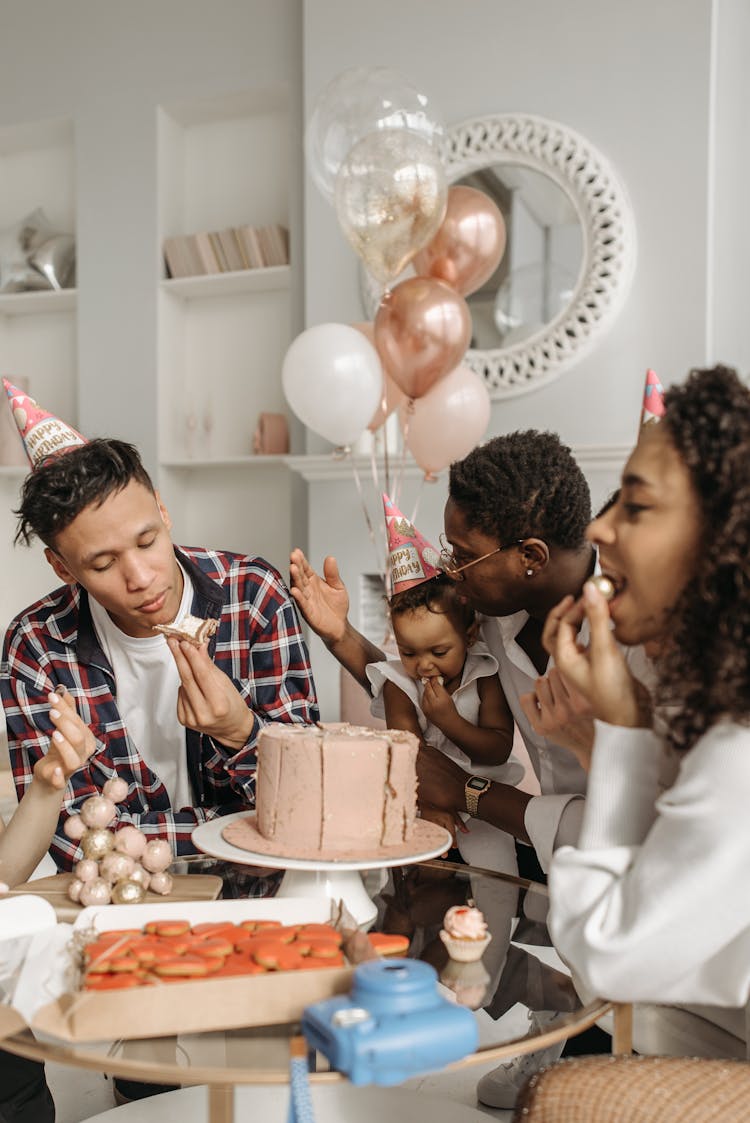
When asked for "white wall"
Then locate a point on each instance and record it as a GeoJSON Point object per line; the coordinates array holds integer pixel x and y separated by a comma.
{"type": "Point", "coordinates": [662, 90]}
{"type": "Point", "coordinates": [108, 66]}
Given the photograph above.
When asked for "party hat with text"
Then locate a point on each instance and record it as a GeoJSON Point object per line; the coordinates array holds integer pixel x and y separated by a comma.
{"type": "Point", "coordinates": [43, 434]}
{"type": "Point", "coordinates": [411, 558]}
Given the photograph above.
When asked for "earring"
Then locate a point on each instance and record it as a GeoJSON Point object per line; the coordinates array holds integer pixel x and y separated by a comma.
{"type": "Point", "coordinates": [529, 572]}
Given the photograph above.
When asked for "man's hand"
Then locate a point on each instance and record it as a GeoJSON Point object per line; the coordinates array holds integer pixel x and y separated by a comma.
{"type": "Point", "coordinates": [323, 601]}
{"type": "Point", "coordinates": [558, 711]}
{"type": "Point", "coordinates": [71, 744]}
{"type": "Point", "coordinates": [598, 672]}
{"type": "Point", "coordinates": [448, 820]}
{"type": "Point", "coordinates": [208, 701]}
{"type": "Point", "coordinates": [437, 704]}
{"type": "Point", "coordinates": [441, 781]}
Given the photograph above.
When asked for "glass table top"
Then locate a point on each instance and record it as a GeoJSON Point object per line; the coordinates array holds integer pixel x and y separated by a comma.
{"type": "Point", "coordinates": [518, 975]}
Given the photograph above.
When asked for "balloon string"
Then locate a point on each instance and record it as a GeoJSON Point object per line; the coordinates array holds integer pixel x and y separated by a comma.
{"type": "Point", "coordinates": [378, 562]}
{"type": "Point", "coordinates": [413, 519]}
{"type": "Point", "coordinates": [404, 438]}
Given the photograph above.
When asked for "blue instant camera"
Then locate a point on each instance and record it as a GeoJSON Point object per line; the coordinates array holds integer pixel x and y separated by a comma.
{"type": "Point", "coordinates": [394, 1024]}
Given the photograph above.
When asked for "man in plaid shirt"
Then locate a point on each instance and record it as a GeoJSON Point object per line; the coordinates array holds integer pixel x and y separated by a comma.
{"type": "Point", "coordinates": [178, 722]}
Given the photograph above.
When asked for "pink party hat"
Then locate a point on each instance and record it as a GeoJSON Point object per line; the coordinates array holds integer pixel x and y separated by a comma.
{"type": "Point", "coordinates": [43, 434]}
{"type": "Point", "coordinates": [653, 399]}
{"type": "Point", "coordinates": [411, 558]}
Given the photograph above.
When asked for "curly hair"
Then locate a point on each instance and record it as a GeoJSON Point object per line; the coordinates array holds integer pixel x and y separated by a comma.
{"type": "Point", "coordinates": [55, 494]}
{"type": "Point", "coordinates": [705, 668]}
{"type": "Point", "coordinates": [439, 594]}
{"type": "Point", "coordinates": [523, 485]}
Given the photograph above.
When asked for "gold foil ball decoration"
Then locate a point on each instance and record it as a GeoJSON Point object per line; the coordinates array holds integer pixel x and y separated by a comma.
{"type": "Point", "coordinates": [97, 842]}
{"type": "Point", "coordinates": [127, 892]}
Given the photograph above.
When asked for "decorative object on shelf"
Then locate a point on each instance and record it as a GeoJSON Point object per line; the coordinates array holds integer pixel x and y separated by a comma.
{"type": "Point", "coordinates": [34, 254]}
{"type": "Point", "coordinates": [543, 168]}
{"type": "Point", "coordinates": [12, 448]}
{"type": "Point", "coordinates": [271, 437]}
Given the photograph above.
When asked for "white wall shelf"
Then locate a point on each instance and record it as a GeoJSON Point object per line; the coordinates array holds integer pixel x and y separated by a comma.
{"type": "Point", "coordinates": [271, 279]}
{"type": "Point", "coordinates": [222, 337]}
{"type": "Point", "coordinates": [35, 303]}
{"type": "Point", "coordinates": [269, 460]}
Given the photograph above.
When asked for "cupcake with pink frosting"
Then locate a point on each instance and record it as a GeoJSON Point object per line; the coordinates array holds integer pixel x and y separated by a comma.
{"type": "Point", "coordinates": [464, 933]}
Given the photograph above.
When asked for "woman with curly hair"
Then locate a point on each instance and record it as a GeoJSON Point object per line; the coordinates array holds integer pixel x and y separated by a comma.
{"type": "Point", "coordinates": [651, 905]}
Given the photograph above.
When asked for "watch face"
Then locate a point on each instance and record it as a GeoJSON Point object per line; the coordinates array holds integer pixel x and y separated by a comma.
{"type": "Point", "coordinates": [476, 783]}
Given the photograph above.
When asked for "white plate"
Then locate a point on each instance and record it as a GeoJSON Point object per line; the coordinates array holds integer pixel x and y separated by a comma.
{"type": "Point", "coordinates": [208, 838]}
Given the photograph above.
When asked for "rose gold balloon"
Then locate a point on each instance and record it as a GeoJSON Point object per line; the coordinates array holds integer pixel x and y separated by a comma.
{"type": "Point", "coordinates": [448, 422]}
{"type": "Point", "coordinates": [391, 398]}
{"type": "Point", "coordinates": [469, 245]}
{"type": "Point", "coordinates": [422, 330]}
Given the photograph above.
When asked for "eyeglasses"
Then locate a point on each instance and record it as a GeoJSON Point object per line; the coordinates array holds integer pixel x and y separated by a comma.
{"type": "Point", "coordinates": [456, 572]}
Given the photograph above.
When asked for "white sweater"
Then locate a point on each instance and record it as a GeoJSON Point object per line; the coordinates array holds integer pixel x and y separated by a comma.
{"type": "Point", "coordinates": [653, 905]}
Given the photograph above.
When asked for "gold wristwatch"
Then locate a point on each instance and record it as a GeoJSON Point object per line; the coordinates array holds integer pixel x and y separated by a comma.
{"type": "Point", "coordinates": [474, 789]}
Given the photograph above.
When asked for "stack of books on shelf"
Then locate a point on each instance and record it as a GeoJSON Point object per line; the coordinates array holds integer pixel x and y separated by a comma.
{"type": "Point", "coordinates": [225, 251]}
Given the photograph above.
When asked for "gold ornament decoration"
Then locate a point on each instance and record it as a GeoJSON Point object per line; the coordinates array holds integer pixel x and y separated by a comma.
{"type": "Point", "coordinates": [127, 892]}
{"type": "Point", "coordinates": [97, 842]}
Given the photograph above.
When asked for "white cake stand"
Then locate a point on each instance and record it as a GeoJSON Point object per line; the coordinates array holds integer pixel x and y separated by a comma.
{"type": "Point", "coordinates": [303, 877]}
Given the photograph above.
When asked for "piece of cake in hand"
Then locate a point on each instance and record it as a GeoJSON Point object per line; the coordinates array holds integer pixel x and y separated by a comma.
{"type": "Point", "coordinates": [191, 628]}
{"type": "Point", "coordinates": [464, 933]}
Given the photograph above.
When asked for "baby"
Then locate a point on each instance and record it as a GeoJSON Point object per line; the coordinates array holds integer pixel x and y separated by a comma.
{"type": "Point", "coordinates": [445, 689]}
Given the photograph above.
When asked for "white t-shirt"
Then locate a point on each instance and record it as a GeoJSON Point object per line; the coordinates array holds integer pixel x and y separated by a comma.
{"type": "Point", "coordinates": [146, 685]}
{"type": "Point", "coordinates": [553, 818]}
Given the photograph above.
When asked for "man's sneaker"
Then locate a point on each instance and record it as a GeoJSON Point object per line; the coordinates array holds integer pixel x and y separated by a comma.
{"type": "Point", "coordinates": [500, 1087]}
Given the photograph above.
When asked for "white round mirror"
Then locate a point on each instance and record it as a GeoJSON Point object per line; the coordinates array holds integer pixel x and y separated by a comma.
{"type": "Point", "coordinates": [570, 252]}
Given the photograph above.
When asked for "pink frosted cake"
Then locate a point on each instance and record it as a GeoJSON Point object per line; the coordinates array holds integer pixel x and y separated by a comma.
{"type": "Point", "coordinates": [334, 792]}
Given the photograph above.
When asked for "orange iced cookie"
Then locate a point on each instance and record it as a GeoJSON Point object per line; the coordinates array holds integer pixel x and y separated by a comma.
{"type": "Point", "coordinates": [167, 927]}
{"type": "Point", "coordinates": [188, 966]}
{"type": "Point", "coordinates": [111, 982]}
{"type": "Point", "coordinates": [389, 943]}
{"type": "Point", "coordinates": [277, 956]}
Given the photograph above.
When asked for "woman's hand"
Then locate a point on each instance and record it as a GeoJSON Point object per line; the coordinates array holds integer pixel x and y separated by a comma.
{"type": "Point", "coordinates": [323, 601]}
{"type": "Point", "coordinates": [555, 709]}
{"type": "Point", "coordinates": [71, 744]}
{"type": "Point", "coordinates": [599, 673]}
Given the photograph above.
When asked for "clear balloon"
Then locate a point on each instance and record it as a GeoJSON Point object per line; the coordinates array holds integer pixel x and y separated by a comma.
{"type": "Point", "coordinates": [332, 379]}
{"type": "Point", "coordinates": [422, 330]}
{"type": "Point", "coordinates": [390, 395]}
{"type": "Point", "coordinates": [359, 101]}
{"type": "Point", "coordinates": [390, 199]}
{"type": "Point", "coordinates": [448, 422]}
{"type": "Point", "coordinates": [470, 243]}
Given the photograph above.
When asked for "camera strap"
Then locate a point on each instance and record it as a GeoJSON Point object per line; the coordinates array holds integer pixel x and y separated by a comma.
{"type": "Point", "coordinates": [300, 1098]}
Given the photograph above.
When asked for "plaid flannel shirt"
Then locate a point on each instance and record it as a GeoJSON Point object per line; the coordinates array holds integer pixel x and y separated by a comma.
{"type": "Point", "coordinates": [258, 644]}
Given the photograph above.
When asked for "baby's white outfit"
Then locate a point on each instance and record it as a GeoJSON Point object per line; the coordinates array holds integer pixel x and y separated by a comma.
{"type": "Point", "coordinates": [484, 845]}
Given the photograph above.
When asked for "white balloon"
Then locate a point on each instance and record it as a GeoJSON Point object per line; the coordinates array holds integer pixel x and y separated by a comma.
{"type": "Point", "coordinates": [333, 380]}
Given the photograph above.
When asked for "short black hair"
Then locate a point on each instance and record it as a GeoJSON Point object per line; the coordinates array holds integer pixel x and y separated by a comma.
{"type": "Point", "coordinates": [54, 494]}
{"type": "Point", "coordinates": [439, 595]}
{"type": "Point", "coordinates": [526, 484]}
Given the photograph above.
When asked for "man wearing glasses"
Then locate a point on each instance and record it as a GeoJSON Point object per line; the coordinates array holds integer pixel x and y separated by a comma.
{"type": "Point", "coordinates": [515, 523]}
